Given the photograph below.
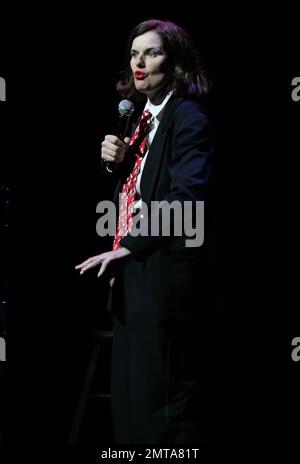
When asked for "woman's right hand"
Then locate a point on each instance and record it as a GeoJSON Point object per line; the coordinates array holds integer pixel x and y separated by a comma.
{"type": "Point", "coordinates": [114, 149]}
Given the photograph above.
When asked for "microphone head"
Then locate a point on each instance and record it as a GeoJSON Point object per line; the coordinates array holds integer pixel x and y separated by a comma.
{"type": "Point", "coordinates": [125, 108]}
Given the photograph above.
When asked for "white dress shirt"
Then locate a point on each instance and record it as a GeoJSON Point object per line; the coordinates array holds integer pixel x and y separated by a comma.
{"type": "Point", "coordinates": [157, 113]}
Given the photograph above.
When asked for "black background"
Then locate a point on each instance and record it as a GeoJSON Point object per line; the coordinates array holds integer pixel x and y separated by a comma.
{"type": "Point", "coordinates": [61, 100]}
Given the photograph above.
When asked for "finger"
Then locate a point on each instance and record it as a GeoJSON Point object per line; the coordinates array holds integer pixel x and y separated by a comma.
{"type": "Point", "coordinates": [108, 157]}
{"type": "Point", "coordinates": [109, 149]}
{"type": "Point", "coordinates": [114, 140]}
{"type": "Point", "coordinates": [113, 155]}
{"type": "Point", "coordinates": [116, 158]}
{"type": "Point", "coordinates": [113, 150]}
{"type": "Point", "coordinates": [103, 268]}
{"type": "Point", "coordinates": [80, 266]}
{"type": "Point", "coordinates": [86, 268]}
{"type": "Point", "coordinates": [83, 263]}
{"type": "Point", "coordinates": [92, 263]}
{"type": "Point", "coordinates": [112, 281]}
{"type": "Point", "coordinates": [127, 140]}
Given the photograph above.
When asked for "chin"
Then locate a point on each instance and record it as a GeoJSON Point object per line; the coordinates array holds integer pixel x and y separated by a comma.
{"type": "Point", "coordinates": [140, 86]}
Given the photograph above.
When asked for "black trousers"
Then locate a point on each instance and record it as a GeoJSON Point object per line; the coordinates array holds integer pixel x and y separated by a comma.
{"type": "Point", "coordinates": [162, 377]}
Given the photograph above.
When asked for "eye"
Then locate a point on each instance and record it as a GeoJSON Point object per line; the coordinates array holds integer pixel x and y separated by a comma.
{"type": "Point", "coordinates": [133, 54]}
{"type": "Point", "coordinates": [152, 53]}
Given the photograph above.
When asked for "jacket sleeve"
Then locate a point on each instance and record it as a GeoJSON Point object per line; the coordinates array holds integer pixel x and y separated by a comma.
{"type": "Point", "coordinates": [189, 171]}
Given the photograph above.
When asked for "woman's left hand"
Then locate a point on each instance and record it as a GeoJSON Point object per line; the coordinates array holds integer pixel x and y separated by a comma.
{"type": "Point", "coordinates": [111, 262]}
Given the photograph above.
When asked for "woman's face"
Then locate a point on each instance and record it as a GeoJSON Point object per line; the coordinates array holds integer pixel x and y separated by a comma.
{"type": "Point", "coordinates": [149, 64]}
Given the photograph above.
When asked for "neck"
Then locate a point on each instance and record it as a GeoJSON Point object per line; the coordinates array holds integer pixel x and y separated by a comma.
{"type": "Point", "coordinates": [158, 97]}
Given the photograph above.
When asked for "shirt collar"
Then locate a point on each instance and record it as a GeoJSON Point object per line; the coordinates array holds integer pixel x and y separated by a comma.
{"type": "Point", "coordinates": [157, 109]}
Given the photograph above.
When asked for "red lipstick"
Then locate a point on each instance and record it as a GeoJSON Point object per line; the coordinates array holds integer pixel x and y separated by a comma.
{"type": "Point", "coordinates": [139, 75]}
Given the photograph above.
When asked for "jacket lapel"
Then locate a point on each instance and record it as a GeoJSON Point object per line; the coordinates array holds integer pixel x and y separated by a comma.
{"type": "Point", "coordinates": [153, 163]}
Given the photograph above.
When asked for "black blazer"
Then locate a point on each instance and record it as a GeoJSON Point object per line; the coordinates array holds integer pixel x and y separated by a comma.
{"type": "Point", "coordinates": [178, 167]}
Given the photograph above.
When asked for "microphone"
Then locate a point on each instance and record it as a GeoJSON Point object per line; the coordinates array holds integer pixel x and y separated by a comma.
{"type": "Point", "coordinates": [125, 109]}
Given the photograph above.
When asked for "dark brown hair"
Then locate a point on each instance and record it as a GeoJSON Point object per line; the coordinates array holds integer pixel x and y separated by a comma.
{"type": "Point", "coordinates": [188, 77]}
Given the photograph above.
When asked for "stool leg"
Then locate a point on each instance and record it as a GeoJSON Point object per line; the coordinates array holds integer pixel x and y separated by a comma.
{"type": "Point", "coordinates": [84, 394]}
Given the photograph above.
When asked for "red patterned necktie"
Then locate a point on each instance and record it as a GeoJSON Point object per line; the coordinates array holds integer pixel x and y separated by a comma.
{"type": "Point", "coordinates": [138, 145]}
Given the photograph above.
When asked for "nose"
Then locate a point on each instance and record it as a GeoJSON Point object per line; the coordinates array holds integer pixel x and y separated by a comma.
{"type": "Point", "coordinates": [140, 63]}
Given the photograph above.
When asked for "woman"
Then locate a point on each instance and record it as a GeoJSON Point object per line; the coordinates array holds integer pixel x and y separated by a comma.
{"type": "Point", "coordinates": [159, 285]}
